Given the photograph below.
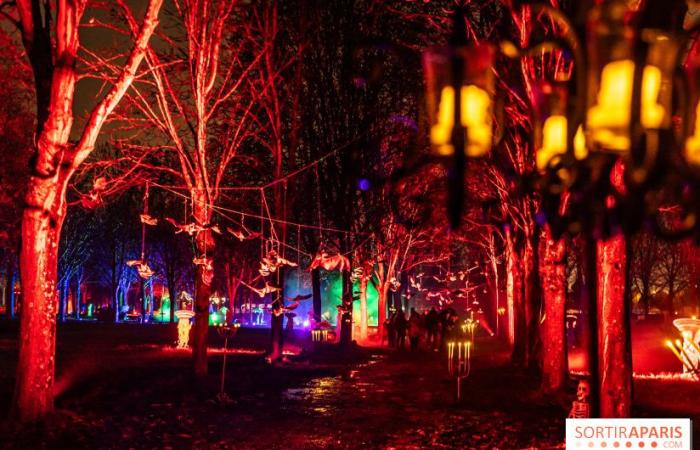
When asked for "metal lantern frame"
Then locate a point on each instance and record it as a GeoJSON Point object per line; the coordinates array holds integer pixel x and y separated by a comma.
{"type": "Point", "coordinates": [619, 107]}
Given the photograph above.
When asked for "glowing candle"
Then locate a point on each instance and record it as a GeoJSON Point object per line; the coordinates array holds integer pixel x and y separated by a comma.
{"type": "Point", "coordinates": [692, 144]}
{"type": "Point", "coordinates": [580, 149]}
{"type": "Point", "coordinates": [613, 105]}
{"type": "Point", "coordinates": [652, 112]}
{"type": "Point", "coordinates": [475, 104]}
{"type": "Point", "coordinates": [553, 140]}
{"type": "Point", "coordinates": [611, 115]}
{"type": "Point", "coordinates": [441, 132]}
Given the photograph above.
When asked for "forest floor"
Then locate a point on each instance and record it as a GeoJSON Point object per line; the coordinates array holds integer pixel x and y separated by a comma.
{"type": "Point", "coordinates": [122, 386]}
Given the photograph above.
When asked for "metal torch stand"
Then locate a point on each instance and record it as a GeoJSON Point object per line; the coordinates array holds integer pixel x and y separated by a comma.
{"type": "Point", "coordinates": [459, 363]}
{"type": "Point", "coordinates": [225, 331]}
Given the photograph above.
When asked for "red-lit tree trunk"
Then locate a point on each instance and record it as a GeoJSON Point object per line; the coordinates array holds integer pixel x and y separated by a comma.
{"type": "Point", "coordinates": [494, 283]}
{"type": "Point", "coordinates": [211, 91]}
{"type": "Point", "coordinates": [516, 308]}
{"type": "Point", "coordinates": [10, 288]}
{"type": "Point", "coordinates": [204, 245]}
{"type": "Point", "coordinates": [615, 370]}
{"type": "Point", "coordinates": [56, 159]}
{"type": "Point", "coordinates": [384, 273]}
{"type": "Point", "coordinates": [553, 282]}
{"type": "Point", "coordinates": [277, 319]}
{"type": "Point", "coordinates": [364, 282]}
{"type": "Point", "coordinates": [41, 228]}
{"type": "Point", "coordinates": [531, 300]}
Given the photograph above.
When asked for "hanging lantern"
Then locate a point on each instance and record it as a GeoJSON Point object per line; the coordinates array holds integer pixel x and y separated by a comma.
{"type": "Point", "coordinates": [691, 125]}
{"type": "Point", "coordinates": [459, 89]}
{"type": "Point", "coordinates": [630, 82]}
{"type": "Point", "coordinates": [550, 124]}
{"type": "Point", "coordinates": [459, 92]}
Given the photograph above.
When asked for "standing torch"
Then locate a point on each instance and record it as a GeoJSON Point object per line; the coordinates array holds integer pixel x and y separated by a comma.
{"type": "Point", "coordinates": [459, 362]}
{"type": "Point", "coordinates": [227, 332]}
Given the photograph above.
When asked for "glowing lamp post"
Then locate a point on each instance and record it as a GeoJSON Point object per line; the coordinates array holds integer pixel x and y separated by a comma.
{"type": "Point", "coordinates": [225, 331]}
{"type": "Point", "coordinates": [459, 90]}
{"type": "Point", "coordinates": [459, 362]}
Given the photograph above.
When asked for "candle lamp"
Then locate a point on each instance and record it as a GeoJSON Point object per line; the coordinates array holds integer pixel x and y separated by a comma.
{"type": "Point", "coordinates": [630, 89]}
{"type": "Point", "coordinates": [227, 332]}
{"type": "Point", "coordinates": [459, 362]}
{"type": "Point", "coordinates": [459, 85]}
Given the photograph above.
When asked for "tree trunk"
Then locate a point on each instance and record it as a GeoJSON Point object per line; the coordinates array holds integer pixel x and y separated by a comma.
{"type": "Point", "coordinates": [316, 293]}
{"type": "Point", "coordinates": [615, 371]}
{"type": "Point", "coordinates": [494, 284]}
{"type": "Point", "coordinates": [517, 325]}
{"type": "Point", "coordinates": [42, 220]}
{"type": "Point", "coordinates": [589, 300]}
{"type": "Point", "coordinates": [143, 301]}
{"type": "Point", "coordinates": [203, 276]}
{"type": "Point", "coordinates": [10, 289]}
{"type": "Point", "coordinates": [346, 316]}
{"type": "Point", "coordinates": [63, 303]}
{"type": "Point", "coordinates": [201, 323]}
{"type": "Point", "coordinates": [382, 294]}
{"type": "Point", "coordinates": [364, 280]}
{"type": "Point", "coordinates": [277, 320]}
{"type": "Point", "coordinates": [553, 280]}
{"type": "Point", "coordinates": [79, 292]}
{"type": "Point", "coordinates": [532, 301]}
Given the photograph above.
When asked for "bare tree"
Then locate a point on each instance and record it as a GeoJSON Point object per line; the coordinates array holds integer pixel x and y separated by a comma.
{"type": "Point", "coordinates": [644, 268]}
{"type": "Point", "coordinates": [51, 39]}
{"type": "Point", "coordinates": [206, 107]}
{"type": "Point", "coordinates": [673, 273]}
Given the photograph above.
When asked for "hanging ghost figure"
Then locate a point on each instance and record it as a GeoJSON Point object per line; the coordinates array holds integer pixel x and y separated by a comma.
{"type": "Point", "coordinates": [148, 220]}
{"type": "Point", "coordinates": [271, 262]}
{"type": "Point", "coordinates": [243, 235]}
{"type": "Point", "coordinates": [279, 310]}
{"type": "Point", "coordinates": [449, 276]}
{"type": "Point", "coordinates": [207, 275]}
{"type": "Point", "coordinates": [581, 407]}
{"type": "Point", "coordinates": [90, 200]}
{"type": "Point", "coordinates": [94, 198]}
{"type": "Point", "coordinates": [267, 289]}
{"type": "Point", "coordinates": [203, 261]}
{"type": "Point", "coordinates": [330, 261]}
{"type": "Point", "coordinates": [100, 184]}
{"type": "Point", "coordinates": [394, 284]}
{"type": "Point", "coordinates": [142, 268]}
{"type": "Point", "coordinates": [299, 298]}
{"type": "Point", "coordinates": [192, 228]}
{"type": "Point", "coordinates": [208, 268]}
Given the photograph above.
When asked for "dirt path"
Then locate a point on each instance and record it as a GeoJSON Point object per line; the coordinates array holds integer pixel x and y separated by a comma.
{"type": "Point", "coordinates": [121, 388]}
